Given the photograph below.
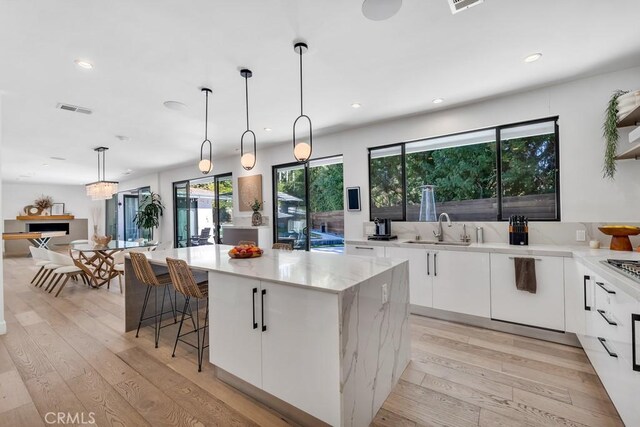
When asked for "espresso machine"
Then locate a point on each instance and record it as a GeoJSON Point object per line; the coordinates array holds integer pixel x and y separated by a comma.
{"type": "Point", "coordinates": [383, 230]}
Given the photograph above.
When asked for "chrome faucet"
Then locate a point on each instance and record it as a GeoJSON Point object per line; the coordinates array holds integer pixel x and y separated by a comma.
{"type": "Point", "coordinates": [439, 234]}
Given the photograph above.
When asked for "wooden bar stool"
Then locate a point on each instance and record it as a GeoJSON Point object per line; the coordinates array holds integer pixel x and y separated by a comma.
{"type": "Point", "coordinates": [282, 246]}
{"type": "Point", "coordinates": [146, 276]}
{"type": "Point", "coordinates": [184, 282]}
{"type": "Point", "coordinates": [246, 242]}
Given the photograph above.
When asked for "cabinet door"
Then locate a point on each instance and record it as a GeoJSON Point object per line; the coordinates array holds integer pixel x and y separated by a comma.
{"type": "Point", "coordinates": [575, 288]}
{"type": "Point", "coordinates": [364, 250]}
{"type": "Point", "coordinates": [544, 309]}
{"type": "Point", "coordinates": [235, 342]}
{"type": "Point", "coordinates": [461, 282]}
{"type": "Point", "coordinates": [300, 349]}
{"type": "Point", "coordinates": [420, 284]}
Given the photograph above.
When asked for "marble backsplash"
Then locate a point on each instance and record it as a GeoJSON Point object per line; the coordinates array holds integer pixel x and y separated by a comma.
{"type": "Point", "coordinates": [540, 233]}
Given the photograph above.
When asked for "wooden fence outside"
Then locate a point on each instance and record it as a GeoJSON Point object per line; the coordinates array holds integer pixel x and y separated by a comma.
{"type": "Point", "coordinates": [334, 221]}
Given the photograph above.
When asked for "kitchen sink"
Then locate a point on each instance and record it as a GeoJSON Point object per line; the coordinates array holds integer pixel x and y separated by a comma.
{"type": "Point", "coordinates": [435, 242]}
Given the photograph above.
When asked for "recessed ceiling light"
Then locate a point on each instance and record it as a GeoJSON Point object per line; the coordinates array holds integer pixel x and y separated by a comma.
{"type": "Point", "coordinates": [268, 129]}
{"type": "Point", "coordinates": [438, 101]}
{"type": "Point", "coordinates": [175, 105]}
{"type": "Point", "coordinates": [122, 137]}
{"type": "Point", "coordinates": [356, 105]}
{"type": "Point", "coordinates": [379, 10]}
{"type": "Point", "coordinates": [86, 65]}
{"type": "Point", "coordinates": [45, 164]}
{"type": "Point", "coordinates": [533, 57]}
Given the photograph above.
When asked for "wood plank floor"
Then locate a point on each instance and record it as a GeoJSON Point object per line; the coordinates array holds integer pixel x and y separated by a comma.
{"type": "Point", "coordinates": [68, 355]}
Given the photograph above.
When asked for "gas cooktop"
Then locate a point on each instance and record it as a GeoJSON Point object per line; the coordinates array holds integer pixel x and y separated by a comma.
{"type": "Point", "coordinates": [628, 267]}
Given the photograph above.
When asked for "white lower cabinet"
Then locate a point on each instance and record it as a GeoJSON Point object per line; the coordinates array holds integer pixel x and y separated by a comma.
{"type": "Point", "coordinates": [543, 309]}
{"type": "Point", "coordinates": [420, 282]}
{"type": "Point", "coordinates": [461, 282]}
{"type": "Point", "coordinates": [364, 250]}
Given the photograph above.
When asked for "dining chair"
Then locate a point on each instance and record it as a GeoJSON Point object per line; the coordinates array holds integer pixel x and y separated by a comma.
{"type": "Point", "coordinates": [67, 269]}
{"type": "Point", "coordinates": [118, 267]}
{"type": "Point", "coordinates": [184, 282]}
{"type": "Point", "coordinates": [282, 246]}
{"type": "Point", "coordinates": [40, 259]}
{"type": "Point", "coordinates": [145, 274]}
{"type": "Point", "coordinates": [48, 275]}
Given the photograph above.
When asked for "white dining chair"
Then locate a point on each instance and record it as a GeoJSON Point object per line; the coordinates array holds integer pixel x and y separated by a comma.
{"type": "Point", "coordinates": [67, 269]}
{"type": "Point", "coordinates": [118, 267]}
{"type": "Point", "coordinates": [48, 274]}
{"type": "Point", "coordinates": [40, 259]}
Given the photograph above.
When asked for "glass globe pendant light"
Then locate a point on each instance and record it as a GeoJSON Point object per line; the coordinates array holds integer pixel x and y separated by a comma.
{"type": "Point", "coordinates": [302, 149]}
{"type": "Point", "coordinates": [247, 158]}
{"type": "Point", "coordinates": [206, 164]}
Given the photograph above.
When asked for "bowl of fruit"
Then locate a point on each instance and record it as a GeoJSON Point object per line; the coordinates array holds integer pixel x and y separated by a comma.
{"type": "Point", "coordinates": [245, 251]}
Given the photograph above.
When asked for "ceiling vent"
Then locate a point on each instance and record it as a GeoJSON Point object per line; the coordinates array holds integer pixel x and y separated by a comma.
{"type": "Point", "coordinates": [460, 5]}
{"type": "Point", "coordinates": [74, 108]}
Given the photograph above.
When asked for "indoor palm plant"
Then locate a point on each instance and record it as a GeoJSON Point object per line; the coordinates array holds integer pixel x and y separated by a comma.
{"type": "Point", "coordinates": [148, 216]}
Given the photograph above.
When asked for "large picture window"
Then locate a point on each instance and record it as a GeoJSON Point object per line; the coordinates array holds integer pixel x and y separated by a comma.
{"type": "Point", "coordinates": [484, 175]}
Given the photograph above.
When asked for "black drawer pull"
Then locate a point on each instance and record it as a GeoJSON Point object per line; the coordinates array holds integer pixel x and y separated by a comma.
{"type": "Point", "coordinates": [264, 291]}
{"type": "Point", "coordinates": [253, 301]}
{"type": "Point", "coordinates": [603, 342]}
{"type": "Point", "coordinates": [435, 264]}
{"type": "Point", "coordinates": [609, 291]}
{"type": "Point", "coordinates": [634, 318]}
{"type": "Point", "coordinates": [428, 260]}
{"type": "Point", "coordinates": [609, 321]}
{"type": "Point", "coordinates": [586, 307]}
{"type": "Point", "coordinates": [364, 247]}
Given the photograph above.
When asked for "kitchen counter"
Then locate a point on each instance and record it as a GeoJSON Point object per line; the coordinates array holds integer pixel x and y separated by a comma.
{"type": "Point", "coordinates": [245, 227]}
{"type": "Point", "coordinates": [327, 335]}
{"type": "Point", "coordinates": [593, 260]}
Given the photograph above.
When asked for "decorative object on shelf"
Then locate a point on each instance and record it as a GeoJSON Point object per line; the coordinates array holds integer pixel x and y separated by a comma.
{"type": "Point", "coordinates": [148, 216]}
{"type": "Point", "coordinates": [57, 209]}
{"type": "Point", "coordinates": [101, 189]}
{"type": "Point", "coordinates": [611, 136]}
{"type": "Point", "coordinates": [620, 236]}
{"type": "Point", "coordinates": [245, 251]}
{"type": "Point", "coordinates": [256, 217]}
{"type": "Point", "coordinates": [302, 149]}
{"type": "Point", "coordinates": [44, 203]}
{"type": "Point", "coordinates": [205, 165]}
{"type": "Point", "coordinates": [249, 189]}
{"type": "Point", "coordinates": [31, 210]}
{"type": "Point", "coordinates": [247, 159]}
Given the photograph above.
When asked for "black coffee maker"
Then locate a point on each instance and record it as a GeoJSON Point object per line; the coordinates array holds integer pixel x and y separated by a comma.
{"type": "Point", "coordinates": [383, 229]}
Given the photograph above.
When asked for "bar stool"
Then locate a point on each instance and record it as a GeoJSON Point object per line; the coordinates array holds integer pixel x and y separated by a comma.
{"type": "Point", "coordinates": [184, 282]}
{"type": "Point", "coordinates": [282, 246]}
{"type": "Point", "coordinates": [246, 242]}
{"type": "Point", "coordinates": [143, 271]}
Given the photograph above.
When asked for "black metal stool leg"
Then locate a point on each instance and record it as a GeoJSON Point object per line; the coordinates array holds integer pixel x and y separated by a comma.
{"type": "Point", "coordinates": [144, 308]}
{"type": "Point", "coordinates": [204, 337]}
{"type": "Point", "coordinates": [186, 304]}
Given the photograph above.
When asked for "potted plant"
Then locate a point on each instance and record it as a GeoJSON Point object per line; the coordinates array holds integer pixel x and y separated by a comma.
{"type": "Point", "coordinates": [148, 216]}
{"type": "Point", "coordinates": [610, 133]}
{"type": "Point", "coordinates": [44, 203]}
{"type": "Point", "coordinates": [256, 217]}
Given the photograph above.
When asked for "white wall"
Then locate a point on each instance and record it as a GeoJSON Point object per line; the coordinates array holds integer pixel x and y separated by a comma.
{"type": "Point", "coordinates": [3, 324]}
{"type": "Point", "coordinates": [585, 195]}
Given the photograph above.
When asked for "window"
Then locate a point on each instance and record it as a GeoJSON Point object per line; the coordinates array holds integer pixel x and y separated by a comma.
{"type": "Point", "coordinates": [484, 175]}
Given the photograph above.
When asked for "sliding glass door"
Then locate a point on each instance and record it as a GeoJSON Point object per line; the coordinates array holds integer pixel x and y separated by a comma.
{"type": "Point", "coordinates": [309, 205]}
{"type": "Point", "coordinates": [202, 206]}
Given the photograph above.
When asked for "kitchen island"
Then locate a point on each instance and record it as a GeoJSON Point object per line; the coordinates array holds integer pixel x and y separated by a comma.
{"type": "Point", "coordinates": [319, 337]}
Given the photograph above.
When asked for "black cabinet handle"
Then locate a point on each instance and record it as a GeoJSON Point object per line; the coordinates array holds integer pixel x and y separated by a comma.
{"type": "Point", "coordinates": [609, 291]}
{"type": "Point", "coordinates": [586, 307]}
{"type": "Point", "coordinates": [253, 301]}
{"type": "Point", "coordinates": [604, 344]}
{"type": "Point", "coordinates": [428, 260]}
{"type": "Point", "coordinates": [609, 321]}
{"type": "Point", "coordinates": [634, 318]}
{"type": "Point", "coordinates": [264, 291]}
{"type": "Point", "coordinates": [364, 247]}
{"type": "Point", "coordinates": [435, 264]}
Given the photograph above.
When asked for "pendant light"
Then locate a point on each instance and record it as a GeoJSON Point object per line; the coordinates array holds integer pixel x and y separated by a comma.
{"type": "Point", "coordinates": [247, 159]}
{"type": "Point", "coordinates": [205, 165]}
{"type": "Point", "coordinates": [302, 149]}
{"type": "Point", "coordinates": [101, 189]}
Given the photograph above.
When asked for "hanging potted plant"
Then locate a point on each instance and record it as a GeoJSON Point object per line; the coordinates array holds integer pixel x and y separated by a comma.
{"type": "Point", "coordinates": [611, 136]}
{"type": "Point", "coordinates": [148, 216]}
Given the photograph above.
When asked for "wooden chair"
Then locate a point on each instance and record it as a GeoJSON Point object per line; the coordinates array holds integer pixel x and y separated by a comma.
{"type": "Point", "coordinates": [246, 242]}
{"type": "Point", "coordinates": [144, 273]}
{"type": "Point", "coordinates": [282, 246]}
{"type": "Point", "coordinates": [184, 282]}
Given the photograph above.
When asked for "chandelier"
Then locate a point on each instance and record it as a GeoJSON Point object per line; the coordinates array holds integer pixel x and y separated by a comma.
{"type": "Point", "coordinates": [101, 189]}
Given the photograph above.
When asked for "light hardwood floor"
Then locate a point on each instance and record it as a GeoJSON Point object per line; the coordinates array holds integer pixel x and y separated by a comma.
{"type": "Point", "coordinates": [67, 354]}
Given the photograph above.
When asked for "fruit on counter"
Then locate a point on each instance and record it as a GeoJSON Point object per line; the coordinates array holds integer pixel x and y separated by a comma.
{"type": "Point", "coordinates": [245, 251]}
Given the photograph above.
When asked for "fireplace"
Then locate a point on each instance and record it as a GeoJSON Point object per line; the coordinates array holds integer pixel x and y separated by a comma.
{"type": "Point", "coordinates": [48, 226]}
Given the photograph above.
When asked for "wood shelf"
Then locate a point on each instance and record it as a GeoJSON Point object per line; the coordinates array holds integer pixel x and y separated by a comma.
{"type": "Point", "coordinates": [44, 217]}
{"type": "Point", "coordinates": [631, 119]}
{"type": "Point", "coordinates": [631, 153]}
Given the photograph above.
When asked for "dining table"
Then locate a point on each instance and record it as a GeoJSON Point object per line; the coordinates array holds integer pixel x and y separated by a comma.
{"type": "Point", "coordinates": [98, 261]}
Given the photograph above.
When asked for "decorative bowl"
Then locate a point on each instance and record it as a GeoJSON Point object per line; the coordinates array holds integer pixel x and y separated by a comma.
{"type": "Point", "coordinates": [101, 240]}
{"type": "Point", "coordinates": [620, 236]}
{"type": "Point", "coordinates": [254, 253]}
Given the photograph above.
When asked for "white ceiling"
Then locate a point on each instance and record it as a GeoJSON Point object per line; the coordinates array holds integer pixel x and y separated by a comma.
{"type": "Point", "coordinates": [146, 52]}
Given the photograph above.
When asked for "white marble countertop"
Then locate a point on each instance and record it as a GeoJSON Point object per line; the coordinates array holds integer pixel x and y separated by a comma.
{"type": "Point", "coordinates": [319, 271]}
{"type": "Point", "coordinates": [244, 227]}
{"type": "Point", "coordinates": [592, 259]}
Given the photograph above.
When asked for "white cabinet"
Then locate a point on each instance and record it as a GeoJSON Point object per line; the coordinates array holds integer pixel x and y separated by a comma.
{"type": "Point", "coordinates": [543, 309]}
{"type": "Point", "coordinates": [364, 250]}
{"type": "Point", "coordinates": [281, 339]}
{"type": "Point", "coordinates": [461, 281]}
{"type": "Point", "coordinates": [420, 283]}
{"type": "Point", "coordinates": [574, 291]}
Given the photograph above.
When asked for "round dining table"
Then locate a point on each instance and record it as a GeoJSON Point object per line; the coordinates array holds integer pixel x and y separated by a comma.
{"type": "Point", "coordinates": [97, 261]}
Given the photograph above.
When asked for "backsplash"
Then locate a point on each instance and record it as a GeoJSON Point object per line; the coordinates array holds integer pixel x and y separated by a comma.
{"type": "Point", "coordinates": [540, 233]}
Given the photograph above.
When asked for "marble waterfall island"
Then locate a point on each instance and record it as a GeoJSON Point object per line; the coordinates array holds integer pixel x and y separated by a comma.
{"type": "Point", "coordinates": [322, 338]}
